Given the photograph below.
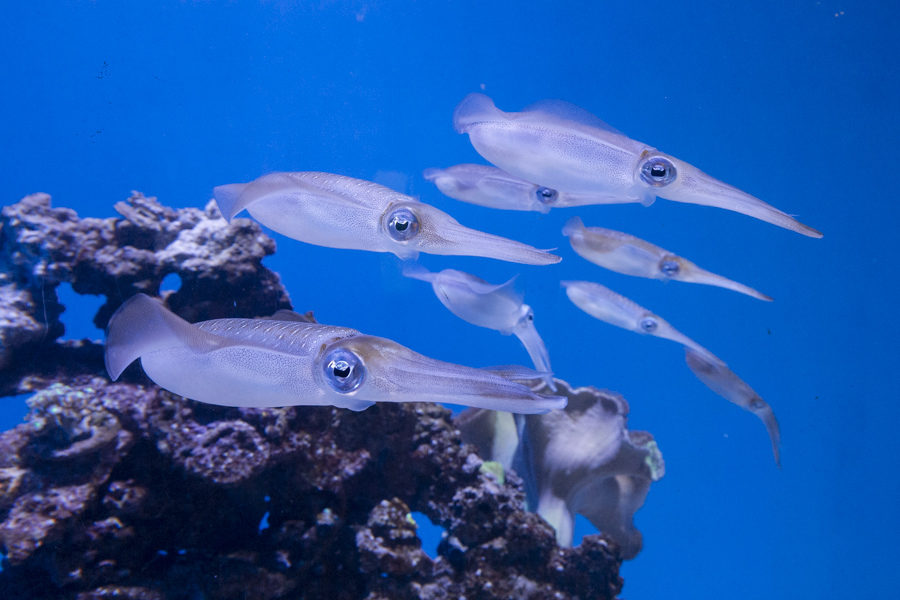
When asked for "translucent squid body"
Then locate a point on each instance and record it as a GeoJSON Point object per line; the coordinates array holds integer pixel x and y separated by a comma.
{"type": "Point", "coordinates": [626, 254]}
{"type": "Point", "coordinates": [495, 188]}
{"type": "Point", "coordinates": [606, 305]}
{"type": "Point", "coordinates": [563, 147]}
{"type": "Point", "coordinates": [579, 460]}
{"type": "Point", "coordinates": [497, 307]}
{"type": "Point", "coordinates": [270, 362]}
{"type": "Point", "coordinates": [716, 375]}
{"type": "Point", "coordinates": [602, 303]}
{"type": "Point", "coordinates": [342, 212]}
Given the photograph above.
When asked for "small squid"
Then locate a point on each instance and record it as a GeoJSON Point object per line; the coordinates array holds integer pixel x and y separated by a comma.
{"type": "Point", "coordinates": [716, 375]}
{"type": "Point", "coordinates": [497, 307]}
{"type": "Point", "coordinates": [269, 362]}
{"type": "Point", "coordinates": [495, 188]}
{"type": "Point", "coordinates": [602, 303]}
{"type": "Point", "coordinates": [626, 254]}
{"type": "Point", "coordinates": [563, 147]}
{"type": "Point", "coordinates": [342, 212]}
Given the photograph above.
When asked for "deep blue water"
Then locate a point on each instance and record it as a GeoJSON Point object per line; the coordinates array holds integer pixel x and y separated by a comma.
{"type": "Point", "coordinates": [794, 102]}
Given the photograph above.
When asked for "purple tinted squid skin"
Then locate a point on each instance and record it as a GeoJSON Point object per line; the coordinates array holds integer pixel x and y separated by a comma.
{"type": "Point", "coordinates": [268, 363]}
{"type": "Point", "coordinates": [563, 147]}
{"type": "Point", "coordinates": [342, 212]}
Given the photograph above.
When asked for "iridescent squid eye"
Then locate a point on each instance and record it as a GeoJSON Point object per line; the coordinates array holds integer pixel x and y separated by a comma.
{"type": "Point", "coordinates": [402, 225]}
{"type": "Point", "coordinates": [658, 171]}
{"type": "Point", "coordinates": [669, 267]}
{"type": "Point", "coordinates": [343, 371]}
{"type": "Point", "coordinates": [546, 195]}
{"type": "Point", "coordinates": [649, 324]}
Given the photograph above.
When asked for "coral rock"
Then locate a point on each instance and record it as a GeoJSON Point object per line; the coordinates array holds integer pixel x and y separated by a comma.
{"type": "Point", "coordinates": [123, 490]}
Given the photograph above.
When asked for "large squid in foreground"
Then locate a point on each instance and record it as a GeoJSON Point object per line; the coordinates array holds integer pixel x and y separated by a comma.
{"type": "Point", "coordinates": [270, 362]}
{"type": "Point", "coordinates": [343, 212]}
{"type": "Point", "coordinates": [563, 147]}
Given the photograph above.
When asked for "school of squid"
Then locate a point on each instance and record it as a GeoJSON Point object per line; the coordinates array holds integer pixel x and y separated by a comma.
{"type": "Point", "coordinates": [551, 154]}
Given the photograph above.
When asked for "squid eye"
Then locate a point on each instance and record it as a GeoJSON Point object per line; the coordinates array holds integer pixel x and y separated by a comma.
{"type": "Point", "coordinates": [669, 267]}
{"type": "Point", "coordinates": [649, 324]}
{"type": "Point", "coordinates": [546, 195]}
{"type": "Point", "coordinates": [757, 403]}
{"type": "Point", "coordinates": [658, 171]}
{"type": "Point", "coordinates": [402, 225]}
{"type": "Point", "coordinates": [343, 371]}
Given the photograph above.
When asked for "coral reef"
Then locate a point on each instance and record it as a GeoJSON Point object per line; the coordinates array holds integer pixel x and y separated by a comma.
{"type": "Point", "coordinates": [219, 265]}
{"type": "Point", "coordinates": [111, 487]}
{"type": "Point", "coordinates": [123, 490]}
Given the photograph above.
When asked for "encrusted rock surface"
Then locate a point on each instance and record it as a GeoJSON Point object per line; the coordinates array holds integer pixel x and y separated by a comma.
{"type": "Point", "coordinates": [219, 264]}
{"type": "Point", "coordinates": [113, 488]}
{"type": "Point", "coordinates": [122, 490]}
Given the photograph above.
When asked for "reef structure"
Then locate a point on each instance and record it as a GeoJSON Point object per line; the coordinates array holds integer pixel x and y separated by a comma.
{"type": "Point", "coordinates": [219, 266]}
{"type": "Point", "coordinates": [123, 490]}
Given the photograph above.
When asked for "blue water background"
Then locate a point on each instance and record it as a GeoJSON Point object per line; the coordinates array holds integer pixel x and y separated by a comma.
{"type": "Point", "coordinates": [794, 102]}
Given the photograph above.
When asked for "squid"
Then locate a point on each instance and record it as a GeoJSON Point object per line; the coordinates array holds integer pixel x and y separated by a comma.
{"type": "Point", "coordinates": [606, 305]}
{"type": "Point", "coordinates": [497, 307]}
{"type": "Point", "coordinates": [626, 254]}
{"type": "Point", "coordinates": [579, 460]}
{"type": "Point", "coordinates": [602, 303]}
{"type": "Point", "coordinates": [716, 375]}
{"type": "Point", "coordinates": [269, 362]}
{"type": "Point", "coordinates": [495, 188]}
{"type": "Point", "coordinates": [342, 212]}
{"type": "Point", "coordinates": [563, 147]}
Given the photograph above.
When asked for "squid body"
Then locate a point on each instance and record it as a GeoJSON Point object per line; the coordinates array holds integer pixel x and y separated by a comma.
{"type": "Point", "coordinates": [497, 307]}
{"type": "Point", "coordinates": [716, 375]}
{"type": "Point", "coordinates": [269, 362]}
{"type": "Point", "coordinates": [606, 305]}
{"type": "Point", "coordinates": [626, 254]}
{"type": "Point", "coordinates": [563, 147]}
{"type": "Point", "coordinates": [602, 303]}
{"type": "Point", "coordinates": [495, 188]}
{"type": "Point", "coordinates": [342, 212]}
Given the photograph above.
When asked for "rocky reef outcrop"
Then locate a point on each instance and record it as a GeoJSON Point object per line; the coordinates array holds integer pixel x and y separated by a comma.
{"type": "Point", "coordinates": [123, 490]}
{"type": "Point", "coordinates": [219, 266]}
